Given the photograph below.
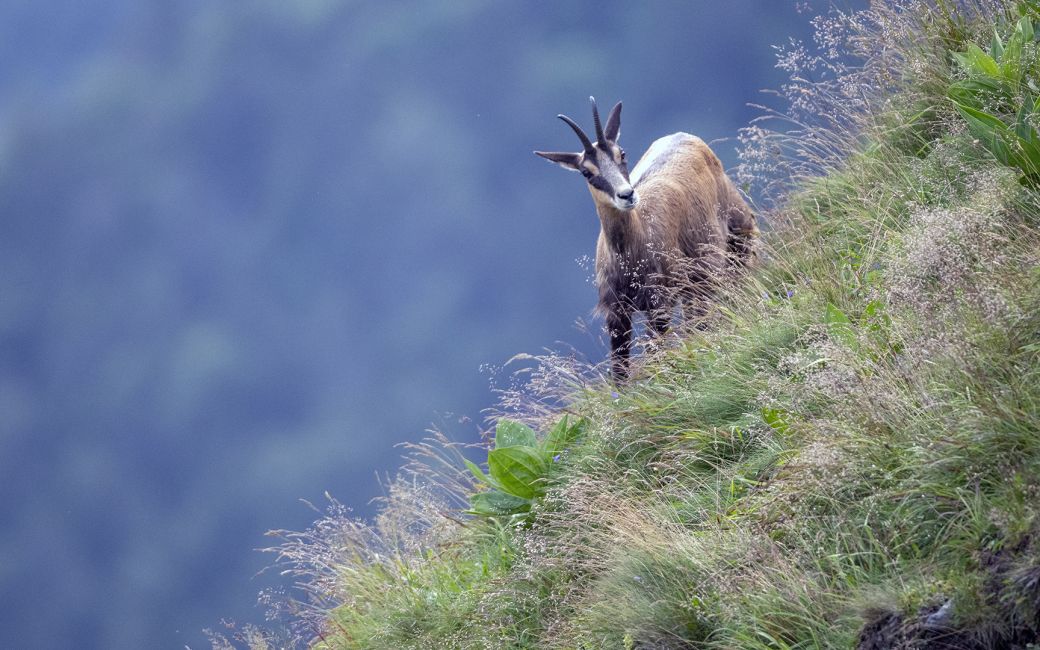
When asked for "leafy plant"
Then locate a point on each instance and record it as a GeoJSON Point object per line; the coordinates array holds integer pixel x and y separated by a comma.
{"type": "Point", "coordinates": [839, 326]}
{"type": "Point", "coordinates": [1000, 100]}
{"type": "Point", "coordinates": [518, 466]}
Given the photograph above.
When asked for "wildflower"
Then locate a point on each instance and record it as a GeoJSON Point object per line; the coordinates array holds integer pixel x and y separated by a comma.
{"type": "Point", "coordinates": [615, 395]}
{"type": "Point", "coordinates": [556, 457]}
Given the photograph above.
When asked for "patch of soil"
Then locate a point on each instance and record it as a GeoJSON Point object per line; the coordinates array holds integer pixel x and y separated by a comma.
{"type": "Point", "coordinates": [1011, 586]}
{"type": "Point", "coordinates": [926, 631]}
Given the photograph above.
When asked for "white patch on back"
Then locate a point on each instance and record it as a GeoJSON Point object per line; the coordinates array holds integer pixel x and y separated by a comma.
{"type": "Point", "coordinates": [658, 154]}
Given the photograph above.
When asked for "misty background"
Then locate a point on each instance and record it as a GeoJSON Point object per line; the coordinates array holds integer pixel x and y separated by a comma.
{"type": "Point", "coordinates": [246, 248]}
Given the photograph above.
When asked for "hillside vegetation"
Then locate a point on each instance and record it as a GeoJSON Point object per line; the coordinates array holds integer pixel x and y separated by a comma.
{"type": "Point", "coordinates": [845, 454]}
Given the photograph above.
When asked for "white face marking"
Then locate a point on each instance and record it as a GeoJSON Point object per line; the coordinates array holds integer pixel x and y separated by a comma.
{"type": "Point", "coordinates": [625, 206]}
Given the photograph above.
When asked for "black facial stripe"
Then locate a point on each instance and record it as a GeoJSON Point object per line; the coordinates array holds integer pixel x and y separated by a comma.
{"type": "Point", "coordinates": [601, 184]}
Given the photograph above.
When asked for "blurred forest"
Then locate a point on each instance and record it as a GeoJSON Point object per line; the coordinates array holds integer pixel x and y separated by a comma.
{"type": "Point", "coordinates": [245, 248]}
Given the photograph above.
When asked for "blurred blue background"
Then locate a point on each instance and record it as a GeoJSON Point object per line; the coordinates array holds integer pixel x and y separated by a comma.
{"type": "Point", "coordinates": [247, 247]}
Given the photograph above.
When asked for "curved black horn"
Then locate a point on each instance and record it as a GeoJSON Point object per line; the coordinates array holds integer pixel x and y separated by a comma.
{"type": "Point", "coordinates": [577, 129]}
{"type": "Point", "coordinates": [613, 129]}
{"type": "Point", "coordinates": [602, 139]}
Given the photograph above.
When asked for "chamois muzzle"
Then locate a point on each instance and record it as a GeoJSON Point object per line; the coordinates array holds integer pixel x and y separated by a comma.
{"type": "Point", "coordinates": [625, 198]}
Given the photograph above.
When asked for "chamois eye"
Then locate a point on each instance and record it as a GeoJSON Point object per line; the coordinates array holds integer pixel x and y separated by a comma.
{"type": "Point", "coordinates": [622, 155]}
{"type": "Point", "coordinates": [586, 173]}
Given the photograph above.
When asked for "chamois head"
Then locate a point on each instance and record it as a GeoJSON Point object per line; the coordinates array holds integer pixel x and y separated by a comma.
{"type": "Point", "coordinates": [602, 163]}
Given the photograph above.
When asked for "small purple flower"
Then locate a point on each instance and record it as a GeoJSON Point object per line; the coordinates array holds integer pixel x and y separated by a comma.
{"type": "Point", "coordinates": [637, 578]}
{"type": "Point", "coordinates": [556, 457]}
{"type": "Point", "coordinates": [614, 394]}
{"type": "Point", "coordinates": [790, 292]}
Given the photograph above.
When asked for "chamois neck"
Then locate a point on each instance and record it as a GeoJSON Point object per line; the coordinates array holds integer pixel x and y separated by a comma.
{"type": "Point", "coordinates": [623, 230]}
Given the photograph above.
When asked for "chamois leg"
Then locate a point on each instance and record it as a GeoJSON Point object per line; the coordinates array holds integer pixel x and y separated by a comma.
{"type": "Point", "coordinates": [700, 287]}
{"type": "Point", "coordinates": [619, 324]}
{"type": "Point", "coordinates": [659, 321]}
{"type": "Point", "coordinates": [742, 227]}
{"type": "Point", "coordinates": [695, 305]}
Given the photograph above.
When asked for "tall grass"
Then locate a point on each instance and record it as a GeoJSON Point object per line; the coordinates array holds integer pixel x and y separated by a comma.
{"type": "Point", "coordinates": [848, 453]}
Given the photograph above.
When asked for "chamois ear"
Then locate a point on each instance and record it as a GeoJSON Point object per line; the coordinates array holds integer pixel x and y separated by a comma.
{"type": "Point", "coordinates": [613, 130]}
{"type": "Point", "coordinates": [569, 161]}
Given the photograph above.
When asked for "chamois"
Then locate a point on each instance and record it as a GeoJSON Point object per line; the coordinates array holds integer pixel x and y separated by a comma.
{"type": "Point", "coordinates": [665, 231]}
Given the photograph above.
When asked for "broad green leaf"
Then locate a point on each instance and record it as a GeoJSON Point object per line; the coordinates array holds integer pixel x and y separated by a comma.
{"type": "Point", "coordinates": [562, 436]}
{"type": "Point", "coordinates": [977, 61]}
{"type": "Point", "coordinates": [510, 433]}
{"type": "Point", "coordinates": [1025, 26]}
{"type": "Point", "coordinates": [875, 315]}
{"type": "Point", "coordinates": [1030, 154]}
{"type": "Point", "coordinates": [1011, 61]}
{"type": "Point", "coordinates": [775, 419]}
{"type": "Point", "coordinates": [872, 309]}
{"type": "Point", "coordinates": [1023, 129]}
{"type": "Point", "coordinates": [839, 326]}
{"type": "Point", "coordinates": [977, 91]}
{"type": "Point", "coordinates": [496, 503]}
{"type": "Point", "coordinates": [520, 470]}
{"type": "Point", "coordinates": [835, 316]}
{"type": "Point", "coordinates": [990, 130]}
{"type": "Point", "coordinates": [996, 47]}
{"type": "Point", "coordinates": [477, 472]}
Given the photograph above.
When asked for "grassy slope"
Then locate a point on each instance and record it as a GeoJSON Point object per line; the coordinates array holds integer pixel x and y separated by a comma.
{"type": "Point", "coordinates": [856, 434]}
